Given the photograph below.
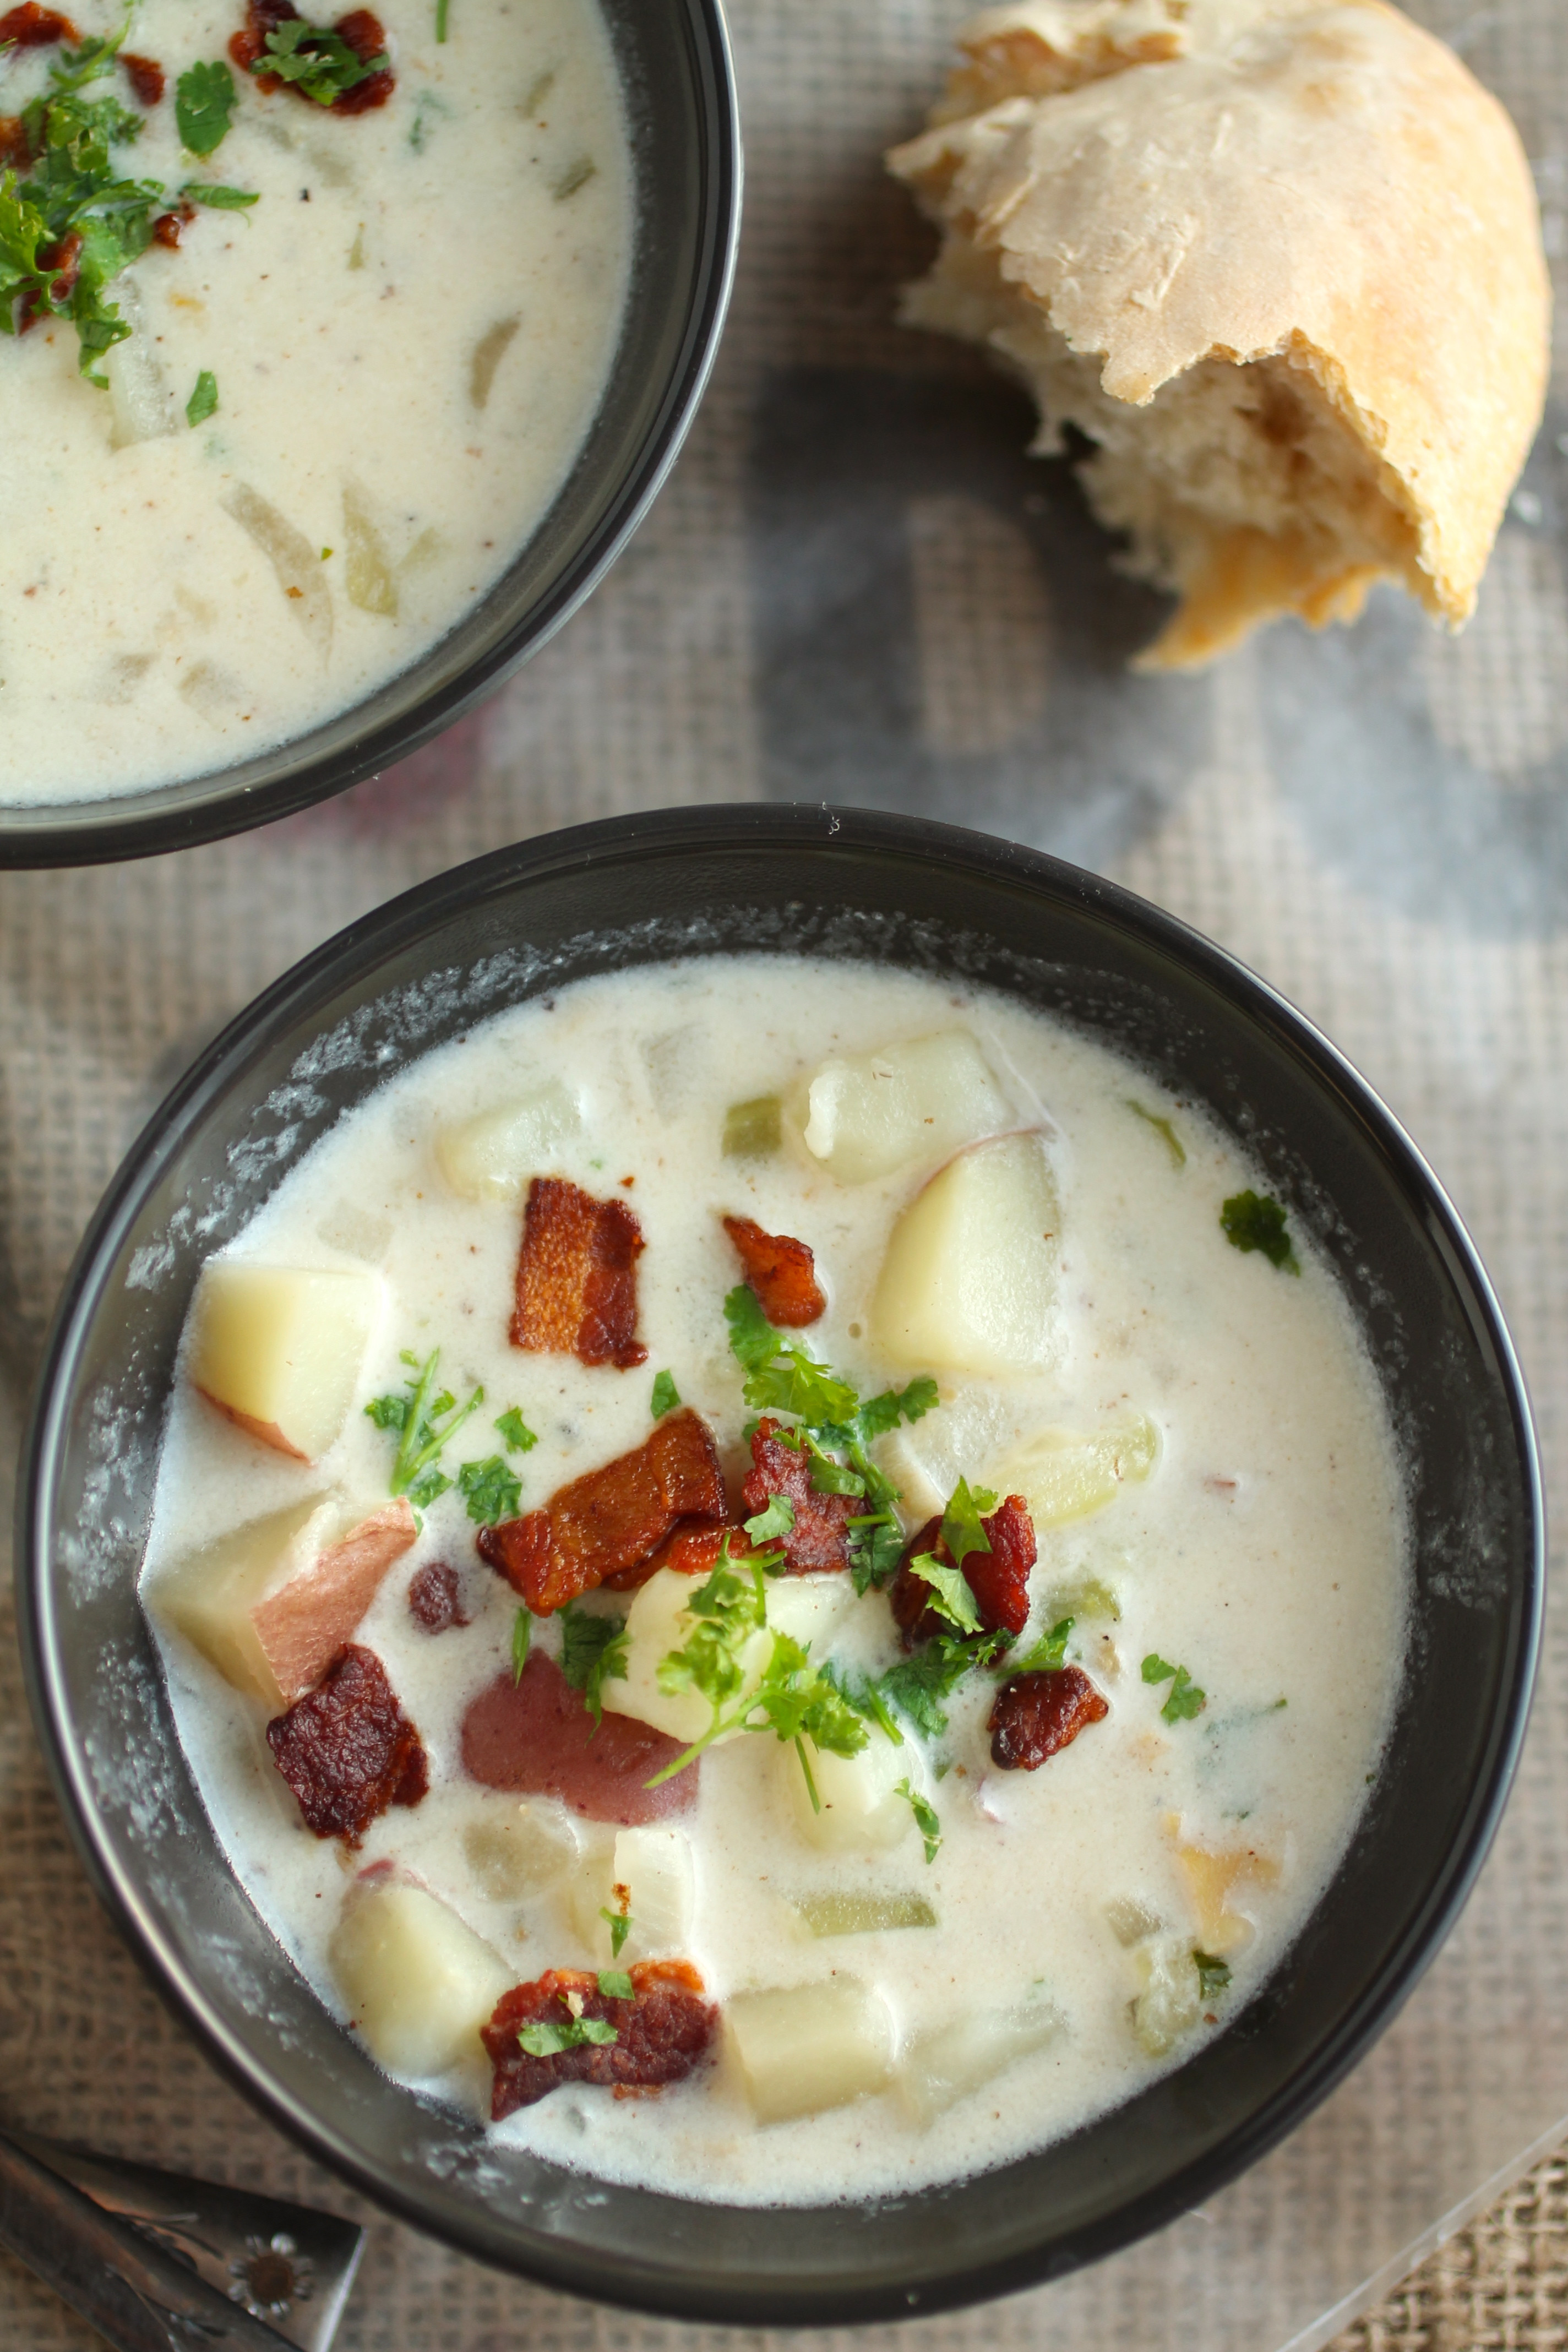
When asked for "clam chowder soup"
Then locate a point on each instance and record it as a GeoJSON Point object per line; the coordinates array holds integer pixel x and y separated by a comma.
{"type": "Point", "coordinates": [792, 1540]}
{"type": "Point", "coordinates": [305, 324]}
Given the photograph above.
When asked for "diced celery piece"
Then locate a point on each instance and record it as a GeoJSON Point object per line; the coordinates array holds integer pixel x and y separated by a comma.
{"type": "Point", "coordinates": [752, 1130]}
{"type": "Point", "coordinates": [834, 1913]}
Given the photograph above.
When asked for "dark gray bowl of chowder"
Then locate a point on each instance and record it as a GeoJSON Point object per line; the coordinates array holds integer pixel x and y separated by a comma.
{"type": "Point", "coordinates": [358, 375]}
{"type": "Point", "coordinates": [684, 1221]}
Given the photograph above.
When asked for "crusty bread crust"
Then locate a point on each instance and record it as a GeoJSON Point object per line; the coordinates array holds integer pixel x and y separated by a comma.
{"type": "Point", "coordinates": [1307, 218]}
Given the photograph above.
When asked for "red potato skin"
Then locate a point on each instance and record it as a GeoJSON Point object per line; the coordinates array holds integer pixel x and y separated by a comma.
{"type": "Point", "coordinates": [999, 1578]}
{"type": "Point", "coordinates": [536, 1737]}
{"type": "Point", "coordinates": [577, 1276]}
{"type": "Point", "coordinates": [303, 1627]}
{"type": "Point", "coordinates": [347, 1750]}
{"type": "Point", "coordinates": [820, 1535]}
{"type": "Point", "coordinates": [1038, 1715]}
{"type": "Point", "coordinates": [610, 1522]}
{"type": "Point", "coordinates": [664, 2031]}
{"type": "Point", "coordinates": [782, 1271]}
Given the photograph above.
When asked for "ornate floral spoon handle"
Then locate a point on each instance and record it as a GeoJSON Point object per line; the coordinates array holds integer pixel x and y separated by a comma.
{"type": "Point", "coordinates": [139, 2295]}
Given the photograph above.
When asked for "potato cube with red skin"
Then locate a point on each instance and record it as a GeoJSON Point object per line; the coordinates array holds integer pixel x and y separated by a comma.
{"type": "Point", "coordinates": [532, 1733]}
{"type": "Point", "coordinates": [661, 2033]}
{"type": "Point", "coordinates": [1036, 1715]}
{"type": "Point", "coordinates": [278, 1349]}
{"type": "Point", "coordinates": [302, 1627]}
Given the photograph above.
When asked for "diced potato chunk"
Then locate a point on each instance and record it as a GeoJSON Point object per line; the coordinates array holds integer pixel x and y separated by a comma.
{"type": "Point", "coordinates": [496, 1156]}
{"type": "Point", "coordinates": [658, 1623]}
{"type": "Point", "coordinates": [812, 2046]}
{"type": "Point", "coordinates": [946, 2064]}
{"type": "Point", "coordinates": [278, 1348]}
{"type": "Point", "coordinates": [871, 1113]}
{"type": "Point", "coordinates": [418, 1982]}
{"type": "Point", "coordinates": [862, 1811]}
{"type": "Point", "coordinates": [271, 1604]}
{"type": "Point", "coordinates": [841, 1912]}
{"type": "Point", "coordinates": [648, 1877]}
{"type": "Point", "coordinates": [1064, 1473]}
{"type": "Point", "coordinates": [810, 1608]}
{"type": "Point", "coordinates": [521, 1850]}
{"type": "Point", "coordinates": [1171, 2002]}
{"type": "Point", "coordinates": [969, 1281]}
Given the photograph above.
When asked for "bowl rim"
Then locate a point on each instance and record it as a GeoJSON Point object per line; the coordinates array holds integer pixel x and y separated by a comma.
{"type": "Point", "coordinates": [122, 826]}
{"type": "Point", "coordinates": [393, 928]}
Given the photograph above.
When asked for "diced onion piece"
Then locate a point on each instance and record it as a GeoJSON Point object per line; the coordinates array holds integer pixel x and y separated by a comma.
{"type": "Point", "coordinates": [871, 1113]}
{"type": "Point", "coordinates": [1171, 2002]}
{"type": "Point", "coordinates": [1132, 1919]}
{"type": "Point", "coordinates": [658, 1623]}
{"type": "Point", "coordinates": [969, 1281]}
{"type": "Point", "coordinates": [654, 1867]}
{"type": "Point", "coordinates": [298, 565]}
{"type": "Point", "coordinates": [810, 2047]}
{"type": "Point", "coordinates": [948, 2063]}
{"type": "Point", "coordinates": [418, 1982]}
{"type": "Point", "coordinates": [521, 1850]}
{"type": "Point", "coordinates": [1212, 1879]}
{"type": "Point", "coordinates": [1064, 1473]}
{"type": "Point", "coordinates": [496, 1156]}
{"type": "Point", "coordinates": [209, 1594]}
{"type": "Point", "coordinates": [278, 1348]}
{"type": "Point", "coordinates": [141, 406]}
{"type": "Point", "coordinates": [367, 568]}
{"type": "Point", "coordinates": [840, 1912]}
{"type": "Point", "coordinates": [861, 1810]}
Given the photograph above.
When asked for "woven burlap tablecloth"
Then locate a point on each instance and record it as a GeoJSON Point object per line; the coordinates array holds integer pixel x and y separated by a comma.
{"type": "Point", "coordinates": [856, 588]}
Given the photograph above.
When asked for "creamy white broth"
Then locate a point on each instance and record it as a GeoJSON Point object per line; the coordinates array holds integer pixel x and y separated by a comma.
{"type": "Point", "coordinates": [351, 320]}
{"type": "Point", "coordinates": [1266, 1551]}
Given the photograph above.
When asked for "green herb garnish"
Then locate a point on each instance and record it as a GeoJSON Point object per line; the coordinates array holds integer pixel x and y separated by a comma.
{"type": "Point", "coordinates": [666, 1395]}
{"type": "Point", "coordinates": [544, 2039]}
{"type": "Point", "coordinates": [491, 1490]}
{"type": "Point", "coordinates": [521, 1635]}
{"type": "Point", "coordinates": [950, 1594]}
{"type": "Point", "coordinates": [315, 59]}
{"type": "Point", "coordinates": [926, 1818]}
{"type": "Point", "coordinates": [918, 1686]}
{"type": "Point", "coordinates": [203, 402]}
{"type": "Point", "coordinates": [1186, 1700]}
{"type": "Point", "coordinates": [1049, 1652]}
{"type": "Point", "coordinates": [1214, 1976]}
{"type": "Point", "coordinates": [1162, 1128]}
{"type": "Point", "coordinates": [441, 10]}
{"type": "Point", "coordinates": [776, 1520]}
{"type": "Point", "coordinates": [592, 1652]}
{"type": "Point", "coordinates": [620, 1926]}
{"type": "Point", "coordinates": [205, 98]}
{"type": "Point", "coordinates": [1254, 1221]}
{"type": "Point", "coordinates": [516, 1434]}
{"type": "Point", "coordinates": [422, 1435]}
{"type": "Point", "coordinates": [614, 1983]}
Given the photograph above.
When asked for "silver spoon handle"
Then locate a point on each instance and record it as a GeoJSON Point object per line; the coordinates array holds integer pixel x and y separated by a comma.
{"type": "Point", "coordinates": [139, 2296]}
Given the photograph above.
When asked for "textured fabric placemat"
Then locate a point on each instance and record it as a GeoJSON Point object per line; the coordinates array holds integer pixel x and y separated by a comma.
{"type": "Point", "coordinates": [857, 588]}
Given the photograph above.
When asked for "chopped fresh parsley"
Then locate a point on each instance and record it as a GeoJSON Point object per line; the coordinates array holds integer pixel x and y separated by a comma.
{"type": "Point", "coordinates": [792, 1698]}
{"type": "Point", "coordinates": [614, 1983]}
{"type": "Point", "coordinates": [441, 11]}
{"type": "Point", "coordinates": [515, 1432]}
{"type": "Point", "coordinates": [776, 1520]}
{"type": "Point", "coordinates": [592, 1652]}
{"type": "Point", "coordinates": [962, 1531]}
{"type": "Point", "coordinates": [69, 223]}
{"type": "Point", "coordinates": [423, 1434]}
{"type": "Point", "coordinates": [918, 1687]}
{"type": "Point", "coordinates": [203, 402]}
{"type": "Point", "coordinates": [1186, 1699]}
{"type": "Point", "coordinates": [880, 1413]}
{"type": "Point", "coordinates": [863, 1695]}
{"type": "Point", "coordinates": [1161, 1127]}
{"type": "Point", "coordinates": [1049, 1652]}
{"type": "Point", "coordinates": [950, 1594]}
{"type": "Point", "coordinates": [620, 1926]}
{"type": "Point", "coordinates": [926, 1818]}
{"type": "Point", "coordinates": [666, 1395]}
{"type": "Point", "coordinates": [1214, 1976]}
{"type": "Point", "coordinates": [491, 1490]}
{"type": "Point", "coordinates": [780, 1375]}
{"type": "Point", "coordinates": [1254, 1221]}
{"type": "Point", "coordinates": [545, 2039]}
{"type": "Point", "coordinates": [315, 59]}
{"type": "Point", "coordinates": [522, 1633]}
{"type": "Point", "coordinates": [205, 98]}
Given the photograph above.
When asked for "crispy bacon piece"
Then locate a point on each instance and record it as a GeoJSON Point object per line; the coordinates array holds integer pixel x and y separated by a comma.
{"type": "Point", "coordinates": [14, 152]}
{"type": "Point", "coordinates": [435, 1597]}
{"type": "Point", "coordinates": [820, 1535]}
{"type": "Point", "coordinates": [148, 78]}
{"type": "Point", "coordinates": [32, 28]}
{"type": "Point", "coordinates": [1036, 1715]}
{"type": "Point", "coordinates": [781, 1270]}
{"type": "Point", "coordinates": [64, 256]}
{"type": "Point", "coordinates": [360, 29]}
{"type": "Point", "coordinates": [611, 1520]}
{"type": "Point", "coordinates": [536, 1736]}
{"type": "Point", "coordinates": [662, 2033]}
{"type": "Point", "coordinates": [692, 1549]}
{"type": "Point", "coordinates": [577, 1276]}
{"type": "Point", "coordinates": [999, 1578]}
{"type": "Point", "coordinates": [347, 1750]}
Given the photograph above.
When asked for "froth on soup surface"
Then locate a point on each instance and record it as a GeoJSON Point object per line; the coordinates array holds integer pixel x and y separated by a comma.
{"type": "Point", "coordinates": [343, 410]}
{"type": "Point", "coordinates": [875, 1371]}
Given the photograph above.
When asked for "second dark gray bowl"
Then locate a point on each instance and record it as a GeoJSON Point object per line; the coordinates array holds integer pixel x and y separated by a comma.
{"type": "Point", "coordinates": [889, 890]}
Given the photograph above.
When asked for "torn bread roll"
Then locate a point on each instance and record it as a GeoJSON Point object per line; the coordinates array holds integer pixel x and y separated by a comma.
{"type": "Point", "coordinates": [1281, 260]}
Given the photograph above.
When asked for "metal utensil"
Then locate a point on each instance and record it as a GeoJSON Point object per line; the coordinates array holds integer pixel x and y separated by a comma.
{"type": "Point", "coordinates": [160, 2262]}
